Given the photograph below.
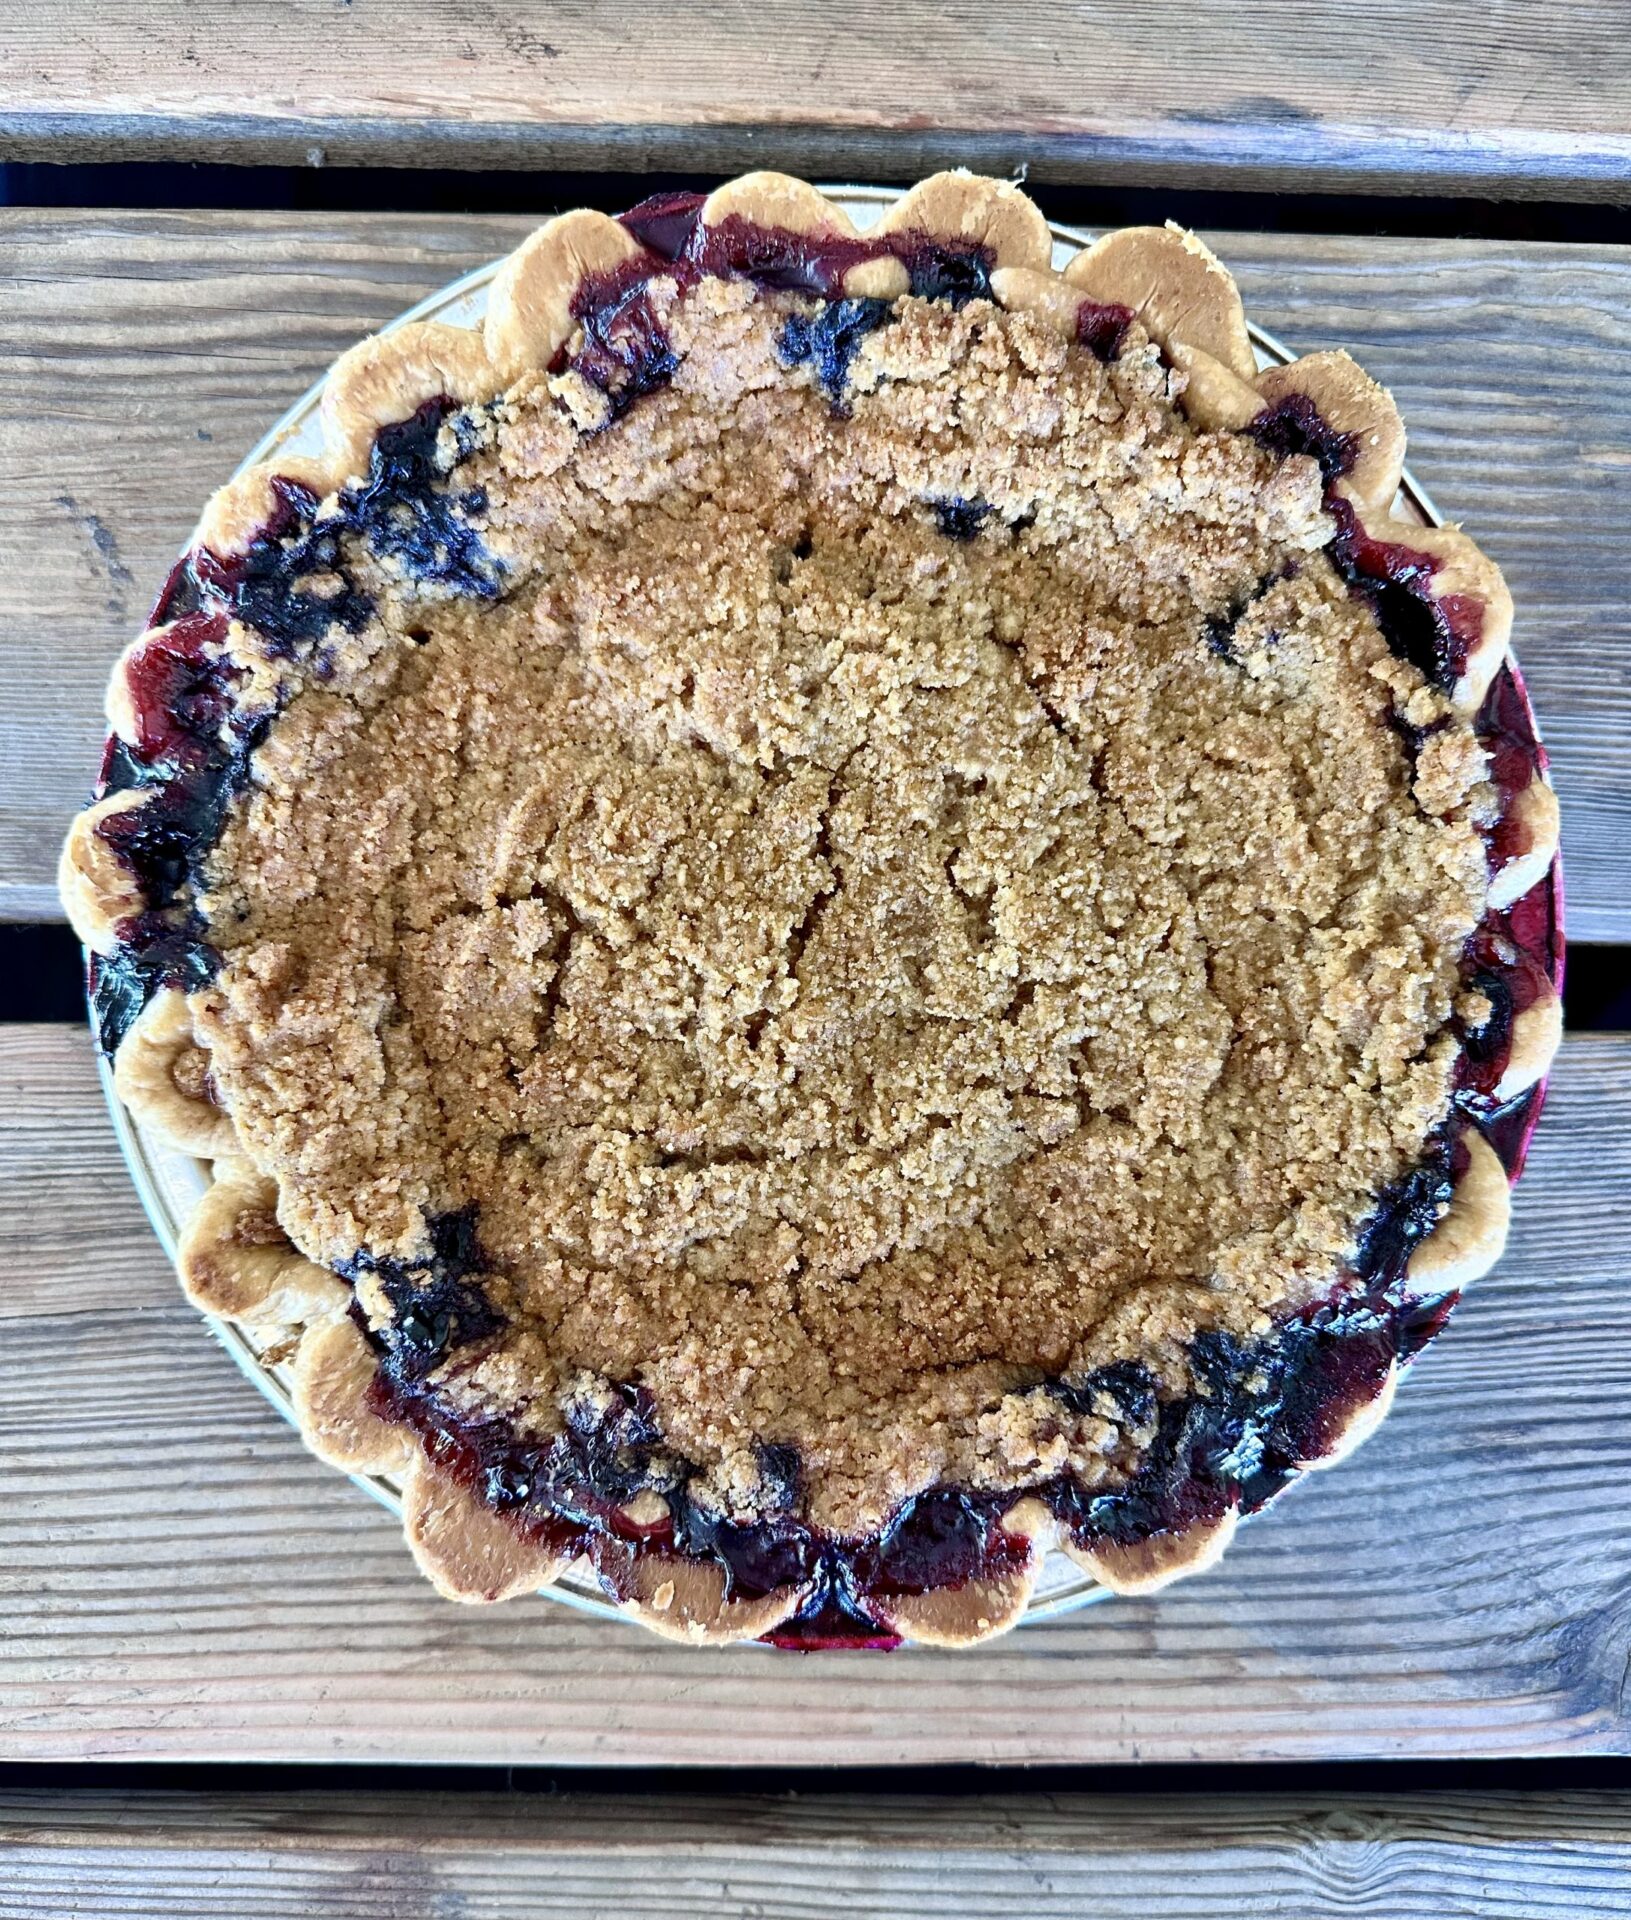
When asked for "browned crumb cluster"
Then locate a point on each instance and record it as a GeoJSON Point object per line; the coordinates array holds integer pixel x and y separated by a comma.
{"type": "Point", "coordinates": [857, 972]}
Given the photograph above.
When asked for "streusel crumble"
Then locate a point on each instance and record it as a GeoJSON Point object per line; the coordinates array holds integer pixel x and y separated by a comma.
{"type": "Point", "coordinates": [856, 969]}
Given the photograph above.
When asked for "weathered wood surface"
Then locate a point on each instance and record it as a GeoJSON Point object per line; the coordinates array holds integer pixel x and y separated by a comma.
{"type": "Point", "coordinates": [414, 1856]}
{"type": "Point", "coordinates": [142, 354]}
{"type": "Point", "coordinates": [1392, 96]}
{"type": "Point", "coordinates": [181, 1580]}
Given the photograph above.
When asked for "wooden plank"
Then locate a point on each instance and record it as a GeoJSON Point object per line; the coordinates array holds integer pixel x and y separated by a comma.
{"type": "Point", "coordinates": [146, 352]}
{"type": "Point", "coordinates": [1393, 96]}
{"type": "Point", "coordinates": [357, 1856]}
{"type": "Point", "coordinates": [181, 1581]}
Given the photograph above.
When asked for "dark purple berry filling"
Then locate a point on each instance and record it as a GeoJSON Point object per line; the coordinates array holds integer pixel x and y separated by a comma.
{"type": "Point", "coordinates": [438, 1305]}
{"type": "Point", "coordinates": [1506, 730]}
{"type": "Point", "coordinates": [1294, 425]}
{"type": "Point", "coordinates": [960, 519]}
{"type": "Point", "coordinates": [626, 350]}
{"type": "Point", "coordinates": [664, 223]}
{"type": "Point", "coordinates": [1259, 1412]}
{"type": "Point", "coordinates": [1512, 979]}
{"type": "Point", "coordinates": [829, 340]}
{"type": "Point", "coordinates": [293, 584]}
{"type": "Point", "coordinates": [193, 743]}
{"type": "Point", "coordinates": [1101, 327]}
{"type": "Point", "coordinates": [1436, 635]}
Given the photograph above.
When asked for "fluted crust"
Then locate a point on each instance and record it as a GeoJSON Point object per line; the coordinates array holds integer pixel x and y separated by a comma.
{"type": "Point", "coordinates": [161, 1073]}
{"type": "Point", "coordinates": [96, 887]}
{"type": "Point", "coordinates": [1471, 1236]}
{"type": "Point", "coordinates": [238, 512]}
{"type": "Point", "coordinates": [1175, 284]}
{"type": "Point", "coordinates": [1354, 406]}
{"type": "Point", "coordinates": [529, 309]}
{"type": "Point", "coordinates": [466, 1551]}
{"type": "Point", "coordinates": [1145, 1566]}
{"type": "Point", "coordinates": [390, 377]}
{"type": "Point", "coordinates": [235, 1261]}
{"type": "Point", "coordinates": [1532, 813]}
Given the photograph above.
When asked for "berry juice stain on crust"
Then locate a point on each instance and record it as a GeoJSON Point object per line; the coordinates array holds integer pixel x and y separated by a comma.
{"type": "Point", "coordinates": [1436, 636]}
{"type": "Point", "coordinates": [1294, 425]}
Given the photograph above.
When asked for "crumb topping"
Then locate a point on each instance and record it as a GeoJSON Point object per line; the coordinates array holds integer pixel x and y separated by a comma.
{"type": "Point", "coordinates": [900, 901]}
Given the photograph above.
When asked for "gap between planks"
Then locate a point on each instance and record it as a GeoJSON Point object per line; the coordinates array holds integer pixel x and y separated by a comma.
{"type": "Point", "coordinates": [183, 1582]}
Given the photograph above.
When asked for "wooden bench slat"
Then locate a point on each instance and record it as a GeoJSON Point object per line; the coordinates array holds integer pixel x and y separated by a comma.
{"type": "Point", "coordinates": [182, 1581]}
{"type": "Point", "coordinates": [357, 1855]}
{"type": "Point", "coordinates": [145, 352]}
{"type": "Point", "coordinates": [1391, 97]}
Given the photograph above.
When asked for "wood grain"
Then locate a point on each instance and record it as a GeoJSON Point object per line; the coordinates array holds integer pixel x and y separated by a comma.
{"type": "Point", "coordinates": [144, 353]}
{"type": "Point", "coordinates": [1392, 96]}
{"type": "Point", "coordinates": [413, 1856]}
{"type": "Point", "coordinates": [181, 1581]}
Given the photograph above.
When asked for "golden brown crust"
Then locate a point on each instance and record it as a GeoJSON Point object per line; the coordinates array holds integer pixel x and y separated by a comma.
{"type": "Point", "coordinates": [1349, 402]}
{"type": "Point", "coordinates": [686, 1600]}
{"type": "Point", "coordinates": [162, 1075]}
{"type": "Point", "coordinates": [1044, 296]}
{"type": "Point", "coordinates": [959, 1616]}
{"type": "Point", "coordinates": [970, 211]}
{"type": "Point", "coordinates": [96, 886]}
{"type": "Point", "coordinates": [235, 1260]}
{"type": "Point", "coordinates": [1214, 397]}
{"type": "Point", "coordinates": [466, 1551]}
{"type": "Point", "coordinates": [240, 510]}
{"type": "Point", "coordinates": [1471, 1236]}
{"type": "Point", "coordinates": [1175, 284]}
{"type": "Point", "coordinates": [770, 199]}
{"type": "Point", "coordinates": [529, 308]}
{"type": "Point", "coordinates": [389, 377]}
{"type": "Point", "coordinates": [1143, 1566]}
{"type": "Point", "coordinates": [1532, 813]}
{"type": "Point", "coordinates": [334, 1370]}
{"type": "Point", "coordinates": [1536, 1035]}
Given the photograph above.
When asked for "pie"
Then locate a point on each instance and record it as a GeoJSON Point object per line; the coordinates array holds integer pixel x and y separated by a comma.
{"type": "Point", "coordinates": [834, 910]}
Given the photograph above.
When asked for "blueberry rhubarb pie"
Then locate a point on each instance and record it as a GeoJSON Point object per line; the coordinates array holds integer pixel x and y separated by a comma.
{"type": "Point", "coordinates": [835, 909]}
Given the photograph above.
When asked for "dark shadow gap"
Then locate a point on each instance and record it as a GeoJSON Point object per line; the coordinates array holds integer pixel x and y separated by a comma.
{"type": "Point", "coordinates": [42, 972]}
{"type": "Point", "coordinates": [1360, 1779]}
{"type": "Point", "coordinates": [322, 189]}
